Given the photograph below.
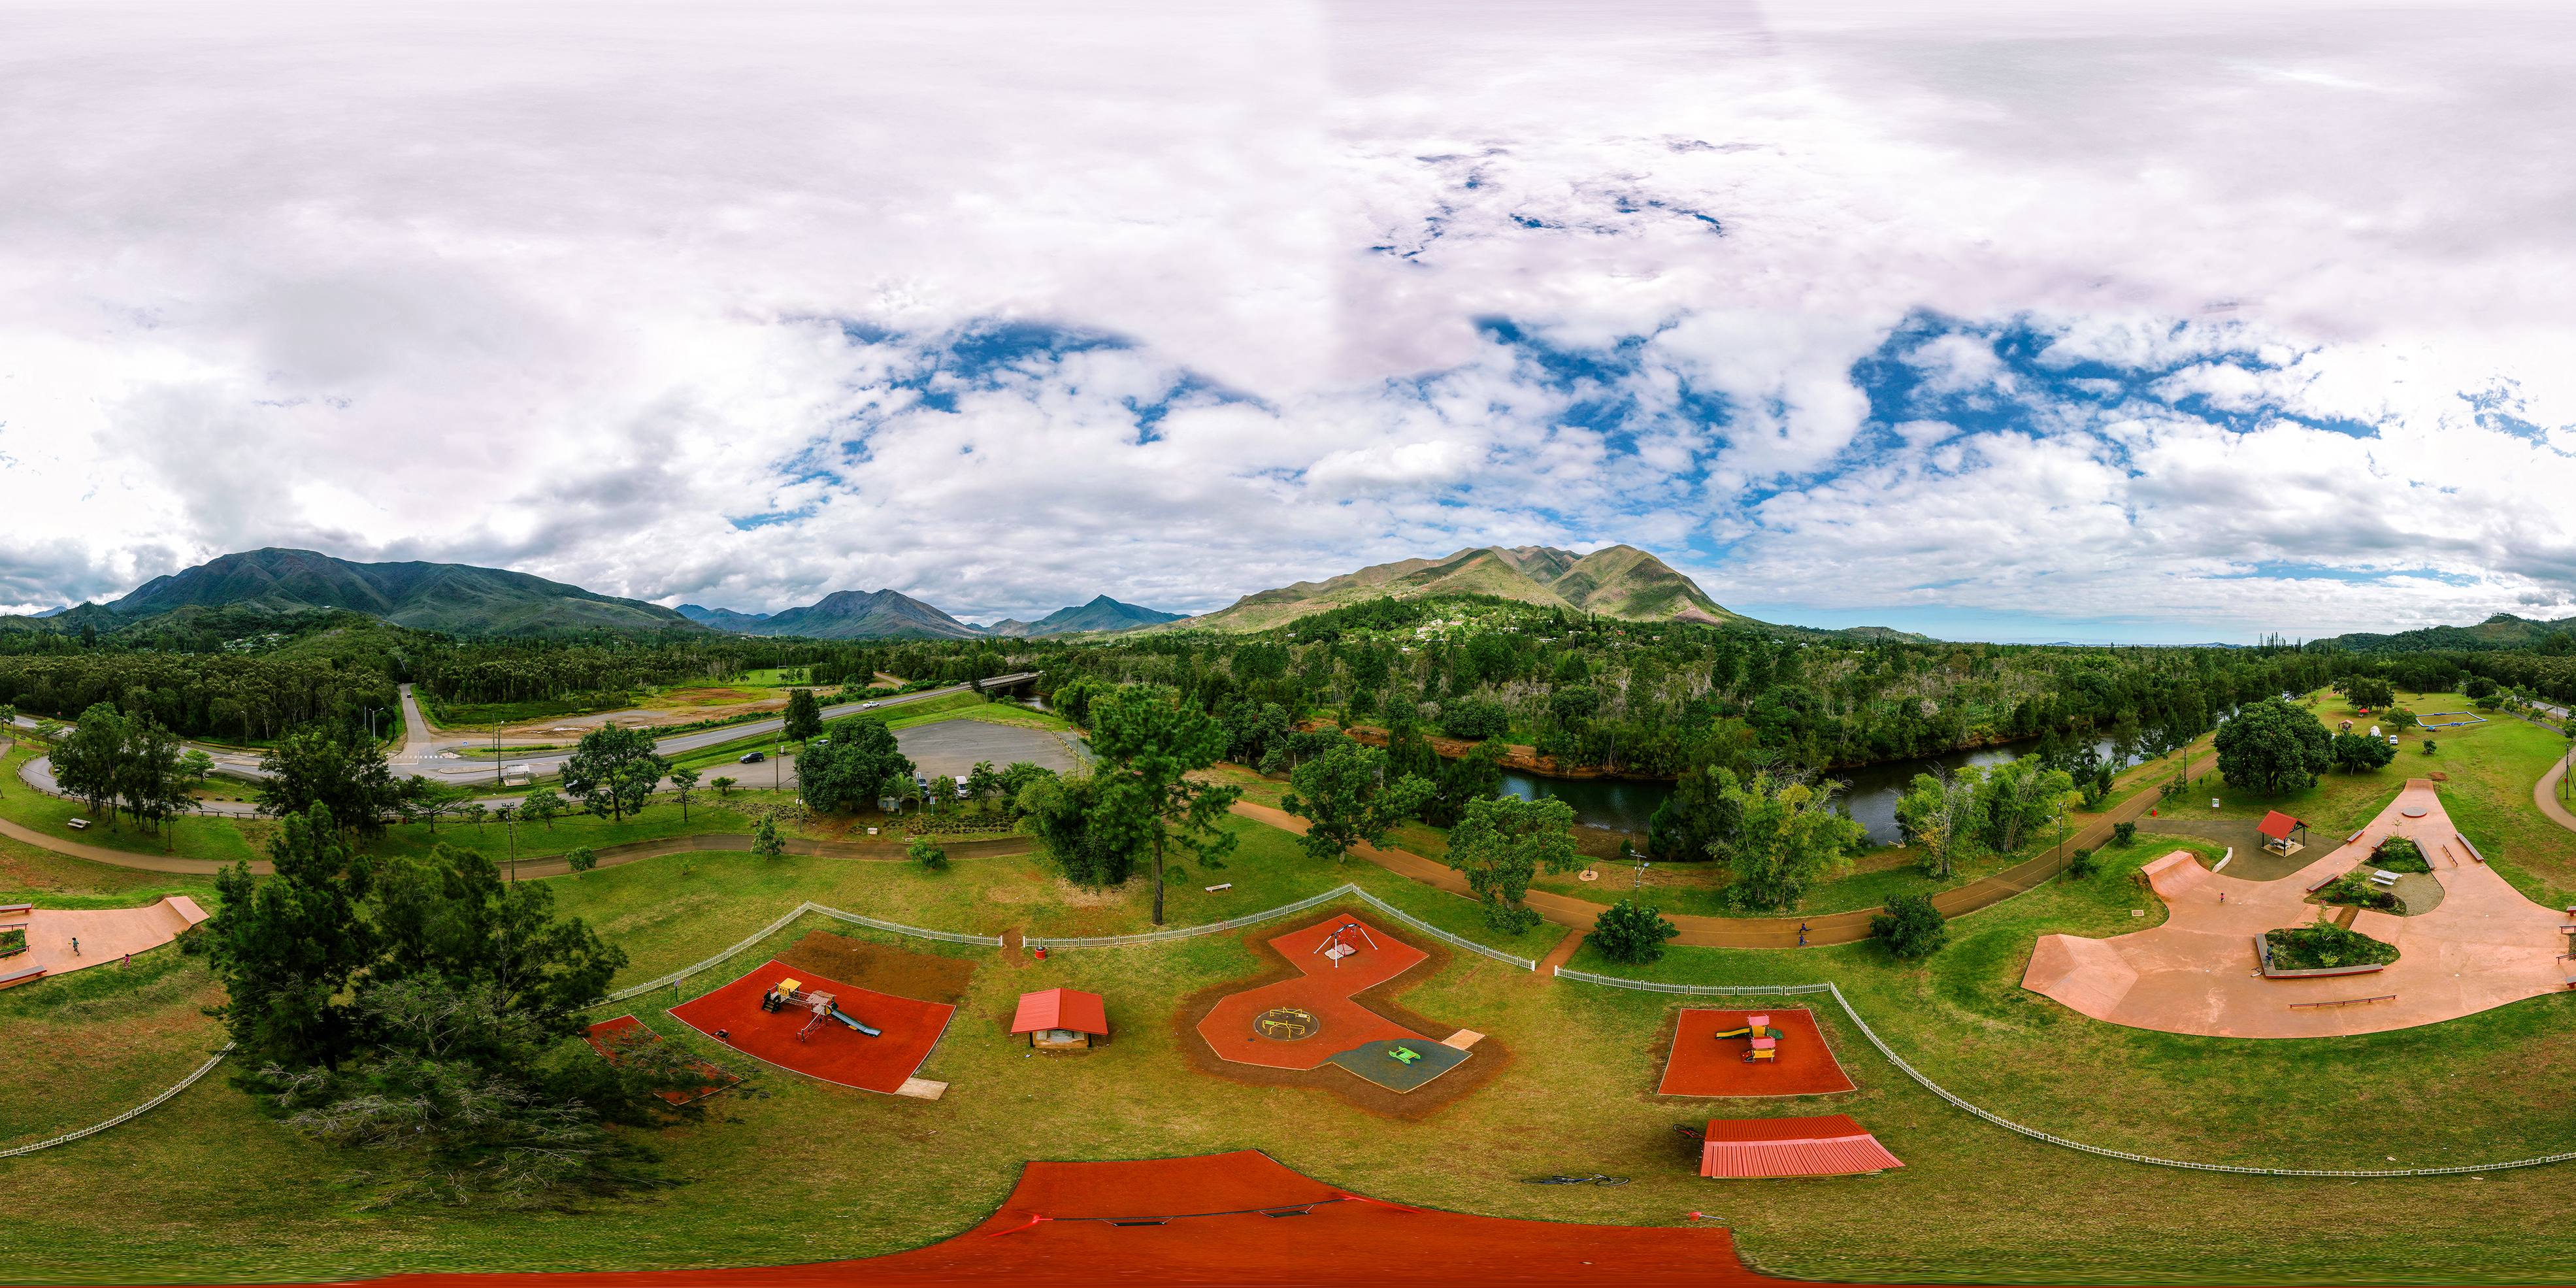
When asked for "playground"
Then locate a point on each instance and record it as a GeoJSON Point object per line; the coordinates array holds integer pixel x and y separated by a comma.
{"type": "Point", "coordinates": [2482, 946]}
{"type": "Point", "coordinates": [833, 1043]}
{"type": "Point", "coordinates": [1335, 958]}
{"type": "Point", "coordinates": [62, 940]}
{"type": "Point", "coordinates": [1776, 1051]}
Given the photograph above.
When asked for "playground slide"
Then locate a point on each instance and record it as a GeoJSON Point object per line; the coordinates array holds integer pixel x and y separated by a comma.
{"type": "Point", "coordinates": [846, 1018]}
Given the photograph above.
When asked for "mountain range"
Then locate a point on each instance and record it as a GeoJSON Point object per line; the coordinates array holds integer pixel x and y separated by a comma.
{"type": "Point", "coordinates": [458, 599]}
{"type": "Point", "coordinates": [1101, 614]}
{"type": "Point", "coordinates": [1616, 581]}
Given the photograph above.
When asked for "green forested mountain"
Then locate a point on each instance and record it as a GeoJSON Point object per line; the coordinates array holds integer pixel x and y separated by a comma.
{"type": "Point", "coordinates": [849, 614]}
{"type": "Point", "coordinates": [1620, 581]}
{"type": "Point", "coordinates": [457, 599]}
{"type": "Point", "coordinates": [1101, 614]}
{"type": "Point", "coordinates": [2502, 631]}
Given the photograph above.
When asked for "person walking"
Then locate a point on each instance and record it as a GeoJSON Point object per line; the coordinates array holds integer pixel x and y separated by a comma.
{"type": "Point", "coordinates": [1802, 934]}
{"type": "Point", "coordinates": [75, 945]}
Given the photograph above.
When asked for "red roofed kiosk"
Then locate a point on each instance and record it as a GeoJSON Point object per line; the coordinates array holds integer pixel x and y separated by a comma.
{"type": "Point", "coordinates": [2277, 828]}
{"type": "Point", "coordinates": [1061, 1017]}
{"type": "Point", "coordinates": [1766, 1148]}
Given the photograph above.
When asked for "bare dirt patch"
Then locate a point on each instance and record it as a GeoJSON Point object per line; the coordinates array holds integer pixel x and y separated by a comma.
{"type": "Point", "coordinates": [881, 968]}
{"type": "Point", "coordinates": [1038, 889]}
{"type": "Point", "coordinates": [1491, 1055]}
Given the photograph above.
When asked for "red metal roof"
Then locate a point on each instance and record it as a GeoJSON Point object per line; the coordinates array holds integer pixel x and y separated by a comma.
{"type": "Point", "coordinates": [1830, 1145]}
{"type": "Point", "coordinates": [2277, 825]}
{"type": "Point", "coordinates": [1061, 1008]}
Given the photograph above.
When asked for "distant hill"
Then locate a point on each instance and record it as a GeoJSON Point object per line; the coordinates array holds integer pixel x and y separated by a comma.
{"type": "Point", "coordinates": [849, 615]}
{"type": "Point", "coordinates": [2502, 631]}
{"type": "Point", "coordinates": [723, 619]}
{"type": "Point", "coordinates": [1619, 581]}
{"type": "Point", "coordinates": [458, 599]}
{"type": "Point", "coordinates": [1101, 614]}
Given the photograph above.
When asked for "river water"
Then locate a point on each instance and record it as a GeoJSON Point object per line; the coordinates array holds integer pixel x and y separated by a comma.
{"type": "Point", "coordinates": [1627, 803]}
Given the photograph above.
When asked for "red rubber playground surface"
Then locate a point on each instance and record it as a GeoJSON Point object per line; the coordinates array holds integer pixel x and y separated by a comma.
{"type": "Point", "coordinates": [1235, 1219]}
{"type": "Point", "coordinates": [834, 1053]}
{"type": "Point", "coordinates": [1702, 1064]}
{"type": "Point", "coordinates": [1325, 989]}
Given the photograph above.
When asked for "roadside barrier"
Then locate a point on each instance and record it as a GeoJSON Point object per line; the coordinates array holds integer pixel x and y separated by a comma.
{"type": "Point", "coordinates": [130, 1114]}
{"type": "Point", "coordinates": [1719, 990]}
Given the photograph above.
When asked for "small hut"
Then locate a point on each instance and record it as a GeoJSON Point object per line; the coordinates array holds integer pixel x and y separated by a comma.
{"type": "Point", "coordinates": [2282, 832]}
{"type": "Point", "coordinates": [1061, 1017]}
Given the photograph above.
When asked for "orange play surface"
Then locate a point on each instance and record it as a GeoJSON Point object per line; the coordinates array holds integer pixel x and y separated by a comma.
{"type": "Point", "coordinates": [1205, 1220]}
{"type": "Point", "coordinates": [833, 1053]}
{"type": "Point", "coordinates": [1324, 990]}
{"type": "Point", "coordinates": [1705, 1065]}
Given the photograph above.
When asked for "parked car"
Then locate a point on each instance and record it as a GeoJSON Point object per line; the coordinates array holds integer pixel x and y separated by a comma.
{"type": "Point", "coordinates": [752, 758]}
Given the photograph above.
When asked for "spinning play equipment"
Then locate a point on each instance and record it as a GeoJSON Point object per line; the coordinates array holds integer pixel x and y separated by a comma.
{"type": "Point", "coordinates": [790, 992]}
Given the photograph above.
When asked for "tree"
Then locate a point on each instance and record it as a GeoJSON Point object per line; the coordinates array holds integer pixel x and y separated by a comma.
{"type": "Point", "coordinates": [1695, 815]}
{"type": "Point", "coordinates": [2355, 752]}
{"type": "Point", "coordinates": [2271, 747]}
{"type": "Point", "coordinates": [1501, 843]}
{"type": "Point", "coordinates": [89, 762]}
{"type": "Point", "coordinates": [2368, 691]}
{"type": "Point", "coordinates": [683, 782]}
{"type": "Point", "coordinates": [582, 858]}
{"type": "Point", "coordinates": [613, 771]}
{"type": "Point", "coordinates": [927, 853]}
{"type": "Point", "coordinates": [195, 767]}
{"type": "Point", "coordinates": [804, 717]}
{"type": "Point", "coordinates": [1345, 798]}
{"type": "Point", "coordinates": [1631, 932]}
{"type": "Point", "coordinates": [286, 948]}
{"type": "Point", "coordinates": [982, 781]}
{"type": "Point", "coordinates": [543, 805]}
{"type": "Point", "coordinates": [2478, 686]}
{"type": "Point", "coordinates": [1573, 704]}
{"type": "Point", "coordinates": [1937, 812]}
{"type": "Point", "coordinates": [1788, 838]}
{"type": "Point", "coordinates": [318, 765]}
{"type": "Point", "coordinates": [1064, 813]}
{"type": "Point", "coordinates": [765, 840]}
{"type": "Point", "coordinates": [1474, 718]}
{"type": "Point", "coordinates": [151, 780]}
{"type": "Point", "coordinates": [1149, 742]}
{"type": "Point", "coordinates": [2016, 796]}
{"type": "Point", "coordinates": [1911, 926]}
{"type": "Point", "coordinates": [724, 786]}
{"type": "Point", "coordinates": [852, 770]}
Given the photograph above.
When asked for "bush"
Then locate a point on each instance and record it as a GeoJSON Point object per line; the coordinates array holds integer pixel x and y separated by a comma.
{"type": "Point", "coordinates": [927, 853]}
{"type": "Point", "coordinates": [12, 942]}
{"type": "Point", "coordinates": [2324, 946]}
{"type": "Point", "coordinates": [2124, 834]}
{"type": "Point", "coordinates": [583, 859]}
{"type": "Point", "coordinates": [2397, 854]}
{"type": "Point", "coordinates": [2350, 889]}
{"type": "Point", "coordinates": [2082, 864]}
{"type": "Point", "coordinates": [1911, 926]}
{"type": "Point", "coordinates": [765, 838]}
{"type": "Point", "coordinates": [1474, 718]}
{"type": "Point", "coordinates": [1632, 933]}
{"type": "Point", "coordinates": [2428, 746]}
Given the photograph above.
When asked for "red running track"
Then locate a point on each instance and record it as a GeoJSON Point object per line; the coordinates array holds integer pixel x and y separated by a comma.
{"type": "Point", "coordinates": [834, 1053]}
{"type": "Point", "coordinates": [1342, 1239]}
{"type": "Point", "coordinates": [1705, 1065]}
{"type": "Point", "coordinates": [1325, 989]}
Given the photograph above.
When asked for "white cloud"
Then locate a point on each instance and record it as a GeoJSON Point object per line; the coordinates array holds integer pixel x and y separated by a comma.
{"type": "Point", "coordinates": [566, 289]}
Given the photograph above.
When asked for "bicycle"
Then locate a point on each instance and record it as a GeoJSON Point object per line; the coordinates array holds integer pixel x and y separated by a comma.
{"type": "Point", "coordinates": [1594, 1179]}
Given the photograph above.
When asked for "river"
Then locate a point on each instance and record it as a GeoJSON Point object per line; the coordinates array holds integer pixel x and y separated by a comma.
{"type": "Point", "coordinates": [1625, 804]}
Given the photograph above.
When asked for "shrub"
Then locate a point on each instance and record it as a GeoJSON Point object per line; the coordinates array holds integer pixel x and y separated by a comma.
{"type": "Point", "coordinates": [1911, 926]}
{"type": "Point", "coordinates": [1474, 718]}
{"type": "Point", "coordinates": [2428, 746]}
{"type": "Point", "coordinates": [2124, 834]}
{"type": "Point", "coordinates": [2397, 854]}
{"type": "Point", "coordinates": [583, 859]}
{"type": "Point", "coordinates": [927, 853]}
{"type": "Point", "coordinates": [765, 839]}
{"type": "Point", "coordinates": [2082, 864]}
{"type": "Point", "coordinates": [1631, 932]}
{"type": "Point", "coordinates": [2352, 890]}
{"type": "Point", "coordinates": [2324, 946]}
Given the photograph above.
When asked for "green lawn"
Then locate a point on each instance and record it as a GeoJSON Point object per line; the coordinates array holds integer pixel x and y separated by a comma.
{"type": "Point", "coordinates": [206, 1190]}
{"type": "Point", "coordinates": [219, 839]}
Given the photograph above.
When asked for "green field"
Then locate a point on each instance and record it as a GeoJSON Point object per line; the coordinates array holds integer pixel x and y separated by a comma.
{"type": "Point", "coordinates": [206, 1190]}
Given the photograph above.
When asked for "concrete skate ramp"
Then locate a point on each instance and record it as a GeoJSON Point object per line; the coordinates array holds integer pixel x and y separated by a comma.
{"type": "Point", "coordinates": [2088, 975]}
{"type": "Point", "coordinates": [2175, 873]}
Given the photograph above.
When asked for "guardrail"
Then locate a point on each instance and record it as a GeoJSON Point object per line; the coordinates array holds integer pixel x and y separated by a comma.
{"type": "Point", "coordinates": [2033, 1132]}
{"type": "Point", "coordinates": [130, 1114]}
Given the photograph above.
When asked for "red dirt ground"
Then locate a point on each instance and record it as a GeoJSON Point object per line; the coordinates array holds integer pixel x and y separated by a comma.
{"type": "Point", "coordinates": [834, 1053]}
{"type": "Point", "coordinates": [1325, 989]}
{"type": "Point", "coordinates": [1343, 1239]}
{"type": "Point", "coordinates": [1701, 1065]}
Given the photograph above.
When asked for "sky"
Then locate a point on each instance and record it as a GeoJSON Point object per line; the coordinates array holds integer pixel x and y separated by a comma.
{"type": "Point", "coordinates": [2125, 321]}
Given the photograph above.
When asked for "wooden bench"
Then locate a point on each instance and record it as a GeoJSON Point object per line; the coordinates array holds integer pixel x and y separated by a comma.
{"type": "Point", "coordinates": [2473, 850]}
{"type": "Point", "coordinates": [78, 825]}
{"type": "Point", "coordinates": [2329, 879]}
{"type": "Point", "coordinates": [20, 975]}
{"type": "Point", "coordinates": [13, 909]}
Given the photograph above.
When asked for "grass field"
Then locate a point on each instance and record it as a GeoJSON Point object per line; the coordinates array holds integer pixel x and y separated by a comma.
{"type": "Point", "coordinates": [204, 1189]}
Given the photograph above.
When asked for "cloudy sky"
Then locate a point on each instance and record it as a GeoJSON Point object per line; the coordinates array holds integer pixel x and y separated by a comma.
{"type": "Point", "coordinates": [2156, 322]}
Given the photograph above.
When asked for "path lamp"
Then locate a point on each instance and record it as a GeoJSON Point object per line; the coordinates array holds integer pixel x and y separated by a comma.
{"type": "Point", "coordinates": [372, 713]}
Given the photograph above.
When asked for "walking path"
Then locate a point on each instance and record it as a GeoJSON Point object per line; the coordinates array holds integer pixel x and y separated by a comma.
{"type": "Point", "coordinates": [2483, 946]}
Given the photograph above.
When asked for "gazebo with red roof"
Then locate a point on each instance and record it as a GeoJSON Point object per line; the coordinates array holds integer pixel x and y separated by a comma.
{"type": "Point", "coordinates": [1061, 1017]}
{"type": "Point", "coordinates": [2276, 828]}
{"type": "Point", "coordinates": [1763, 1148]}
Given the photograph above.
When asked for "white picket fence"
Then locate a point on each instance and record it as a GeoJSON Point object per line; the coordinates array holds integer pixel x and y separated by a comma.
{"type": "Point", "coordinates": [130, 1114]}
